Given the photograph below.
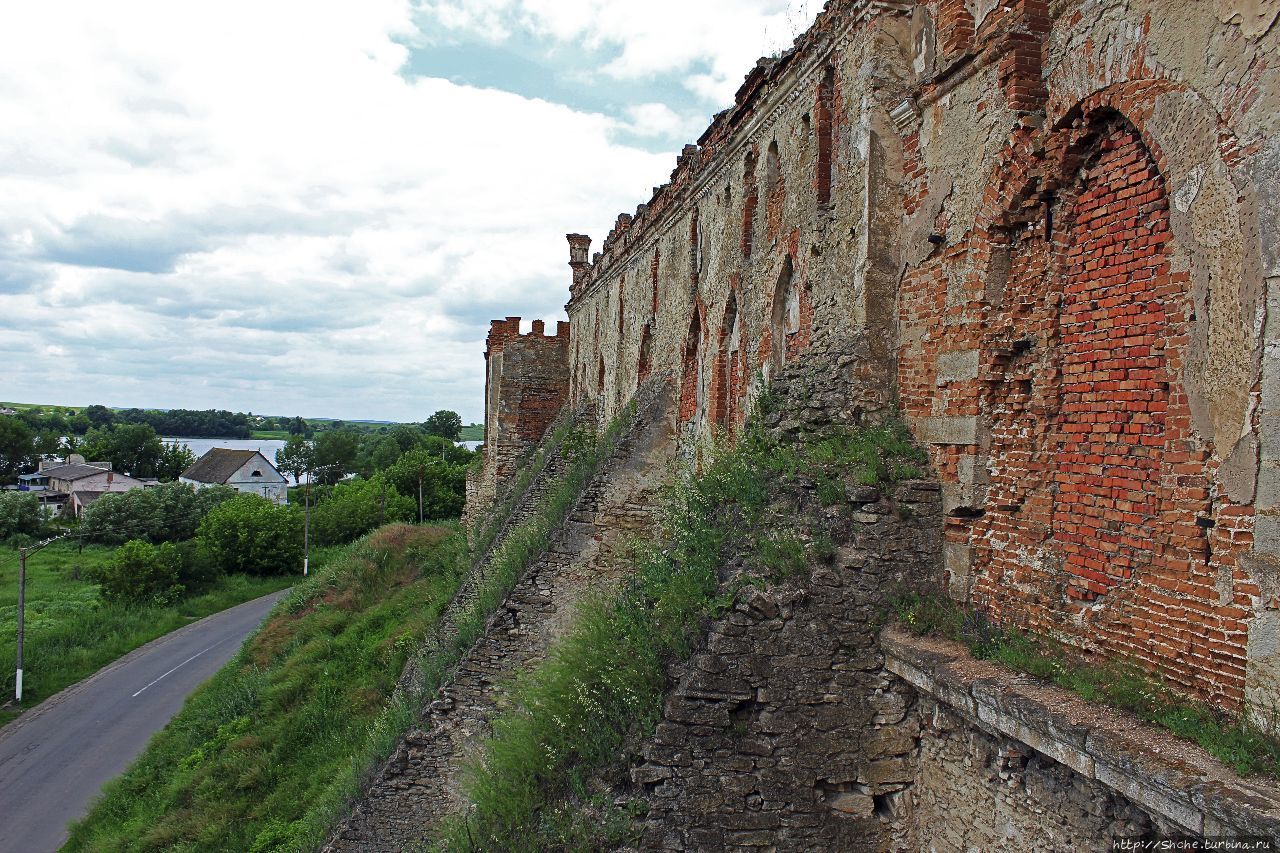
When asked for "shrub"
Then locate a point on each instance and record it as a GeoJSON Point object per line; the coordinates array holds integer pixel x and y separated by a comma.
{"type": "Point", "coordinates": [168, 513]}
{"type": "Point", "coordinates": [19, 514]}
{"type": "Point", "coordinates": [140, 573]}
{"type": "Point", "coordinates": [251, 534]}
{"type": "Point", "coordinates": [355, 507]}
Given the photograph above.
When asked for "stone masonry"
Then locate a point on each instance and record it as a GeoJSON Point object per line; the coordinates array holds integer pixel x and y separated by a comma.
{"type": "Point", "coordinates": [1047, 233]}
{"type": "Point", "coordinates": [1052, 226]}
{"type": "Point", "coordinates": [422, 781]}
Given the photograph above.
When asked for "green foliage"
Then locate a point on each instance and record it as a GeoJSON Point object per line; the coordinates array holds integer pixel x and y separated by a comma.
{"type": "Point", "coordinates": [133, 449]}
{"type": "Point", "coordinates": [297, 457]}
{"type": "Point", "coordinates": [445, 424]}
{"type": "Point", "coordinates": [72, 632]}
{"type": "Point", "coordinates": [443, 484]}
{"type": "Point", "coordinates": [171, 512]}
{"type": "Point", "coordinates": [268, 753]}
{"type": "Point", "coordinates": [335, 454]}
{"type": "Point", "coordinates": [1118, 683]}
{"type": "Point", "coordinates": [139, 572]}
{"type": "Point", "coordinates": [174, 459]}
{"type": "Point", "coordinates": [17, 452]}
{"type": "Point", "coordinates": [251, 534]}
{"type": "Point", "coordinates": [355, 507]}
{"type": "Point", "coordinates": [19, 515]}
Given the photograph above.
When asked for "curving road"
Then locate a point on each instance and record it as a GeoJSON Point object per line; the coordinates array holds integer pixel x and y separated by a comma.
{"type": "Point", "coordinates": [56, 757]}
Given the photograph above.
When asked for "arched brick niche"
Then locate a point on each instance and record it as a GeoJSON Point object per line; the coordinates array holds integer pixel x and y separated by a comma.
{"type": "Point", "coordinates": [1072, 404]}
{"type": "Point", "coordinates": [729, 381]}
{"type": "Point", "coordinates": [644, 363]}
{"type": "Point", "coordinates": [692, 386]}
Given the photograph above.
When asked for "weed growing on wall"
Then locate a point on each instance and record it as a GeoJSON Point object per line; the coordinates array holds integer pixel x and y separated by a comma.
{"type": "Point", "coordinates": [1120, 684]}
{"type": "Point", "coordinates": [580, 714]}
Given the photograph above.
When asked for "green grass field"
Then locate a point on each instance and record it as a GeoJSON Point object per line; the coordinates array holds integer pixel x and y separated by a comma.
{"type": "Point", "coordinates": [271, 434]}
{"type": "Point", "coordinates": [71, 633]}
{"type": "Point", "coordinates": [266, 755]}
{"type": "Point", "coordinates": [473, 432]}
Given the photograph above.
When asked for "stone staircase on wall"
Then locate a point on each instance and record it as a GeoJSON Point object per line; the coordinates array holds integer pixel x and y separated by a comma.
{"type": "Point", "coordinates": [421, 783]}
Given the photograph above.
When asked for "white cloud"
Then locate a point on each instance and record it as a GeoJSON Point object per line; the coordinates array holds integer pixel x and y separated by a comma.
{"type": "Point", "coordinates": [725, 37]}
{"type": "Point", "coordinates": [662, 121]}
{"type": "Point", "coordinates": [246, 206]}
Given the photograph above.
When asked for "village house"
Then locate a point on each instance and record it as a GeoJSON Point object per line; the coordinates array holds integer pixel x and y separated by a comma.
{"type": "Point", "coordinates": [74, 485]}
{"type": "Point", "coordinates": [245, 471]}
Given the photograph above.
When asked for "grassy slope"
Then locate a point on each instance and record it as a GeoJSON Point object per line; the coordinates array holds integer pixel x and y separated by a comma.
{"type": "Point", "coordinates": [264, 756]}
{"type": "Point", "coordinates": [472, 432]}
{"type": "Point", "coordinates": [71, 634]}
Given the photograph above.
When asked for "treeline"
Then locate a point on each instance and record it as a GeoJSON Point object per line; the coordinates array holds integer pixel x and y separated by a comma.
{"type": "Point", "coordinates": [133, 449]}
{"type": "Point", "coordinates": [183, 423]}
{"type": "Point", "coordinates": [359, 481]}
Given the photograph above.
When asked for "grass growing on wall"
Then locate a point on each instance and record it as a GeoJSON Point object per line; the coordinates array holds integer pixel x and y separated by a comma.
{"type": "Point", "coordinates": [600, 691]}
{"type": "Point", "coordinates": [1120, 684]}
{"type": "Point", "coordinates": [266, 754]}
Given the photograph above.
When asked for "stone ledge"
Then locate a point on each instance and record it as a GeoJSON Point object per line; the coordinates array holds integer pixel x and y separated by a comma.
{"type": "Point", "coordinates": [1169, 777]}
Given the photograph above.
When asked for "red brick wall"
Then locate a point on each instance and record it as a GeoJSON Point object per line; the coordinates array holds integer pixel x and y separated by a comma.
{"type": "Point", "coordinates": [689, 374]}
{"type": "Point", "coordinates": [1098, 523]}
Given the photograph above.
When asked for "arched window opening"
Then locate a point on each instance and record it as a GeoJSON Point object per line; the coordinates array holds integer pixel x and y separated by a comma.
{"type": "Point", "coordinates": [654, 268]}
{"type": "Point", "coordinates": [775, 189]}
{"type": "Point", "coordinates": [695, 246]}
{"type": "Point", "coordinates": [726, 380]}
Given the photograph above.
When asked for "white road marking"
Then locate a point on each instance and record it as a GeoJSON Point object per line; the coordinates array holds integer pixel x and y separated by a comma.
{"type": "Point", "coordinates": [181, 665]}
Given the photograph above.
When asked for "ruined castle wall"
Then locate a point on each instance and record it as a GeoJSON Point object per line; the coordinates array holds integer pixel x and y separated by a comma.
{"type": "Point", "coordinates": [763, 244]}
{"type": "Point", "coordinates": [1082, 323]}
{"type": "Point", "coordinates": [1051, 224]}
{"type": "Point", "coordinates": [526, 386]}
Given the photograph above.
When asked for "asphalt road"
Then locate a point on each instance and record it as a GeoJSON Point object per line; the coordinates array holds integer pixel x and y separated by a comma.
{"type": "Point", "coordinates": [56, 757]}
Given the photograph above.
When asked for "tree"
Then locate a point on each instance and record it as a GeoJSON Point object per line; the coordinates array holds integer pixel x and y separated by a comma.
{"type": "Point", "coordinates": [175, 459]}
{"type": "Point", "coordinates": [439, 487]}
{"type": "Point", "coordinates": [17, 448]}
{"type": "Point", "coordinates": [100, 416]}
{"type": "Point", "coordinates": [335, 454]}
{"type": "Point", "coordinates": [377, 454]}
{"type": "Point", "coordinates": [407, 436]}
{"type": "Point", "coordinates": [298, 426]}
{"type": "Point", "coordinates": [134, 449]}
{"type": "Point", "coordinates": [251, 534]}
{"type": "Point", "coordinates": [19, 514]}
{"type": "Point", "coordinates": [298, 457]}
{"type": "Point", "coordinates": [170, 512]}
{"type": "Point", "coordinates": [445, 424]}
{"type": "Point", "coordinates": [356, 507]}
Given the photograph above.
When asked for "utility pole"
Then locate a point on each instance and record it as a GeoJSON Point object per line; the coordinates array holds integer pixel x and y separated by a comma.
{"type": "Point", "coordinates": [23, 553]}
{"type": "Point", "coordinates": [306, 527]}
{"type": "Point", "coordinates": [22, 617]}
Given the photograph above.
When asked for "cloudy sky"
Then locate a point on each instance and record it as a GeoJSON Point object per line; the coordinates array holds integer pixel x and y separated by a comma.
{"type": "Point", "coordinates": [316, 207]}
